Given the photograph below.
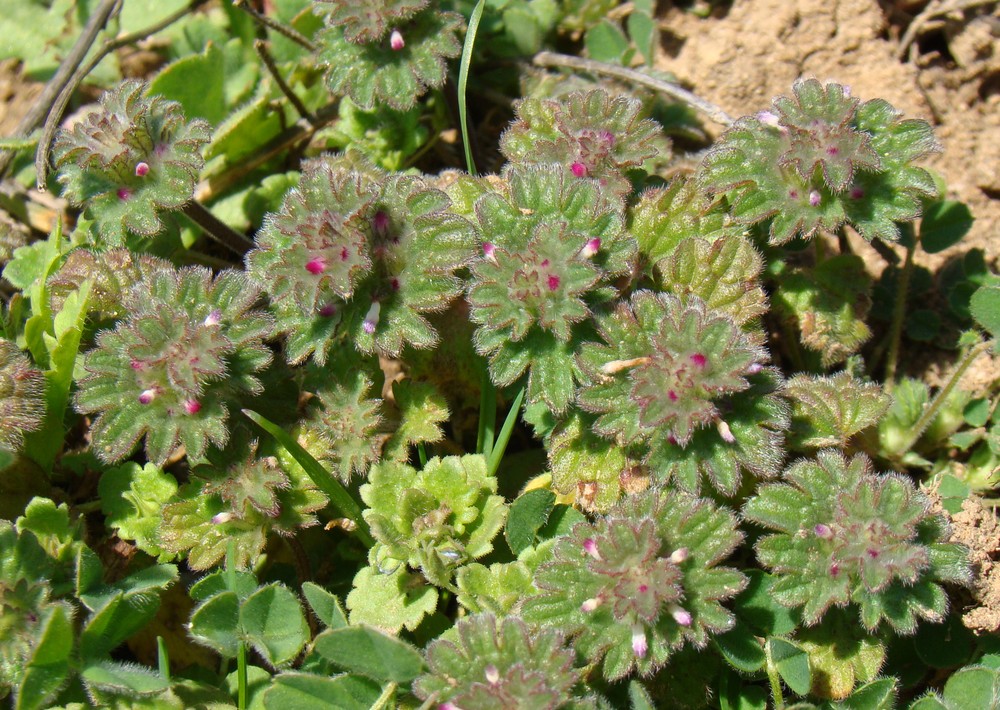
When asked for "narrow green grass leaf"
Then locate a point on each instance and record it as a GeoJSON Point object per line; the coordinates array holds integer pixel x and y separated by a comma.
{"type": "Point", "coordinates": [463, 80]}
{"type": "Point", "coordinates": [493, 462]}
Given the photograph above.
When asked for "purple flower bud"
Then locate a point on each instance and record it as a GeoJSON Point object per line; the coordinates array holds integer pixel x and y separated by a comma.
{"type": "Point", "coordinates": [489, 251]}
{"type": "Point", "coordinates": [147, 396]}
{"type": "Point", "coordinates": [607, 136]}
{"type": "Point", "coordinates": [192, 406]}
{"type": "Point", "coordinates": [768, 118]}
{"type": "Point", "coordinates": [553, 282]}
{"type": "Point", "coordinates": [823, 531]}
{"type": "Point", "coordinates": [316, 265]}
{"type": "Point", "coordinates": [639, 644]}
{"type": "Point", "coordinates": [590, 604]}
{"type": "Point", "coordinates": [327, 310]}
{"type": "Point", "coordinates": [698, 360]}
{"type": "Point", "coordinates": [856, 193]}
{"type": "Point", "coordinates": [380, 223]}
{"type": "Point", "coordinates": [681, 616]}
{"type": "Point", "coordinates": [492, 674]}
{"type": "Point", "coordinates": [448, 706]}
{"type": "Point", "coordinates": [396, 40]}
{"type": "Point", "coordinates": [371, 318]}
{"type": "Point", "coordinates": [754, 368]}
{"type": "Point", "coordinates": [213, 318]}
{"type": "Point", "coordinates": [124, 193]}
{"type": "Point", "coordinates": [578, 169]}
{"type": "Point", "coordinates": [679, 555]}
{"type": "Point", "coordinates": [141, 169]}
{"type": "Point", "coordinates": [590, 248]}
{"type": "Point", "coordinates": [223, 517]}
{"type": "Point", "coordinates": [814, 198]}
{"type": "Point", "coordinates": [725, 432]}
{"type": "Point", "coordinates": [590, 547]}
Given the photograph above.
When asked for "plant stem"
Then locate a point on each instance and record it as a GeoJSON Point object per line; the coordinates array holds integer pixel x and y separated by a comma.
{"type": "Point", "coordinates": [216, 229]}
{"type": "Point", "coordinates": [422, 454]}
{"type": "Point", "coordinates": [282, 29]}
{"type": "Point", "coordinates": [552, 59]}
{"type": "Point", "coordinates": [774, 680]}
{"type": "Point", "coordinates": [934, 407]}
{"type": "Point", "coordinates": [241, 676]}
{"type": "Point", "coordinates": [898, 314]}
{"type": "Point", "coordinates": [265, 56]}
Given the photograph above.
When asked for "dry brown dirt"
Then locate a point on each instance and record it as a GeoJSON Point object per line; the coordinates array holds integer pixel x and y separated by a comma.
{"type": "Point", "coordinates": [743, 56]}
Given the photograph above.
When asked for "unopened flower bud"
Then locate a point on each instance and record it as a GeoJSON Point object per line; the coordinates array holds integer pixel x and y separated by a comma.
{"type": "Point", "coordinates": [590, 248]}
{"type": "Point", "coordinates": [814, 198]}
{"type": "Point", "coordinates": [590, 605]}
{"type": "Point", "coordinates": [141, 169]}
{"type": "Point", "coordinates": [823, 531]}
{"type": "Point", "coordinates": [396, 40]}
{"type": "Point", "coordinates": [679, 555]}
{"type": "Point", "coordinates": [223, 517]}
{"type": "Point", "coordinates": [639, 644]}
{"type": "Point", "coordinates": [489, 251]}
{"type": "Point", "coordinates": [681, 616]}
{"type": "Point", "coordinates": [590, 547]}
{"type": "Point", "coordinates": [725, 432]}
{"type": "Point", "coordinates": [147, 396]}
{"type": "Point", "coordinates": [213, 318]}
{"type": "Point", "coordinates": [192, 406]}
{"type": "Point", "coordinates": [578, 169]}
{"type": "Point", "coordinates": [316, 265]}
{"type": "Point", "coordinates": [492, 674]}
{"type": "Point", "coordinates": [371, 318]}
{"type": "Point", "coordinates": [616, 366]}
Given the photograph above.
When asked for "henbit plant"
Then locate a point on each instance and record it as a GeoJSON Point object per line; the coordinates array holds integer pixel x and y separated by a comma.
{"type": "Point", "coordinates": [601, 135]}
{"type": "Point", "coordinates": [846, 535]}
{"type": "Point", "coordinates": [821, 159]}
{"type": "Point", "coordinates": [129, 161]}
{"type": "Point", "coordinates": [189, 352]}
{"type": "Point", "coordinates": [641, 581]}
{"type": "Point", "coordinates": [630, 317]}
{"type": "Point", "coordinates": [389, 51]}
{"type": "Point", "coordinates": [493, 663]}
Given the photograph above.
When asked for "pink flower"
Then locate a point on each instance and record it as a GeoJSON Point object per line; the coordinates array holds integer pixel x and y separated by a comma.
{"type": "Point", "coordinates": [639, 644]}
{"type": "Point", "coordinates": [578, 169]}
{"type": "Point", "coordinates": [316, 265]}
{"type": "Point", "coordinates": [371, 318]}
{"type": "Point", "coordinates": [590, 547]}
{"type": "Point", "coordinates": [396, 40]}
{"type": "Point", "coordinates": [141, 169]}
{"type": "Point", "coordinates": [590, 248]}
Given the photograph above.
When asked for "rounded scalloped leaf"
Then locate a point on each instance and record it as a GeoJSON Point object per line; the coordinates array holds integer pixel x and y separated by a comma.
{"type": "Point", "coordinates": [376, 72]}
{"type": "Point", "coordinates": [847, 535]}
{"type": "Point", "coordinates": [820, 161]}
{"type": "Point", "coordinates": [662, 367]}
{"type": "Point", "coordinates": [520, 667]}
{"type": "Point", "coordinates": [641, 581]}
{"type": "Point", "coordinates": [828, 411]}
{"type": "Point", "coordinates": [588, 134]}
{"type": "Point", "coordinates": [129, 159]}
{"type": "Point", "coordinates": [370, 20]}
{"type": "Point", "coordinates": [190, 350]}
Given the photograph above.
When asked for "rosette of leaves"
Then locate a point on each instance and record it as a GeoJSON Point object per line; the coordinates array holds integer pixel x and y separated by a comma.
{"type": "Point", "coordinates": [311, 254]}
{"type": "Point", "coordinates": [820, 159]}
{"type": "Point", "coordinates": [845, 535]}
{"type": "Point", "coordinates": [360, 255]}
{"type": "Point", "coordinates": [22, 396]}
{"type": "Point", "coordinates": [489, 663]}
{"type": "Point", "coordinates": [552, 246]}
{"type": "Point", "coordinates": [590, 134]}
{"type": "Point", "coordinates": [113, 272]}
{"type": "Point", "coordinates": [188, 353]}
{"type": "Point", "coordinates": [663, 368]}
{"type": "Point", "coordinates": [752, 441]}
{"type": "Point", "coordinates": [241, 504]}
{"type": "Point", "coordinates": [435, 519]}
{"type": "Point", "coordinates": [343, 430]}
{"type": "Point", "coordinates": [131, 159]}
{"type": "Point", "coordinates": [641, 581]}
{"type": "Point", "coordinates": [390, 51]}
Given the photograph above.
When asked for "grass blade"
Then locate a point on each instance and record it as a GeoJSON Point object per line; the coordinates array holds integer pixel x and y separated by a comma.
{"type": "Point", "coordinates": [341, 498]}
{"type": "Point", "coordinates": [493, 461]}
{"type": "Point", "coordinates": [463, 80]}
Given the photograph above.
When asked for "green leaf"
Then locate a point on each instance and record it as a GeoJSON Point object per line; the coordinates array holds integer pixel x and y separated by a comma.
{"type": "Point", "coordinates": [606, 43]}
{"type": "Point", "coordinates": [945, 645]}
{"type": "Point", "coordinates": [526, 516]}
{"type": "Point", "coordinates": [878, 695]}
{"type": "Point", "coordinates": [985, 308]}
{"type": "Point", "coordinates": [390, 600]}
{"type": "Point", "coordinates": [953, 491]}
{"type": "Point", "coordinates": [197, 83]}
{"type": "Point", "coordinates": [741, 649]}
{"type": "Point", "coordinates": [944, 223]}
{"type": "Point", "coordinates": [639, 697]}
{"type": "Point", "coordinates": [975, 687]}
{"type": "Point", "coordinates": [923, 325]}
{"type": "Point", "coordinates": [215, 623]}
{"type": "Point", "coordinates": [977, 412]}
{"type": "Point", "coordinates": [463, 79]}
{"type": "Point", "coordinates": [272, 621]}
{"type": "Point", "coordinates": [792, 664]}
{"type": "Point", "coordinates": [325, 606]}
{"type": "Point", "coordinates": [371, 653]}
{"type": "Point", "coordinates": [47, 668]}
{"type": "Point", "coordinates": [304, 691]}
{"type": "Point", "coordinates": [123, 678]}
{"type": "Point", "coordinates": [642, 31]}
